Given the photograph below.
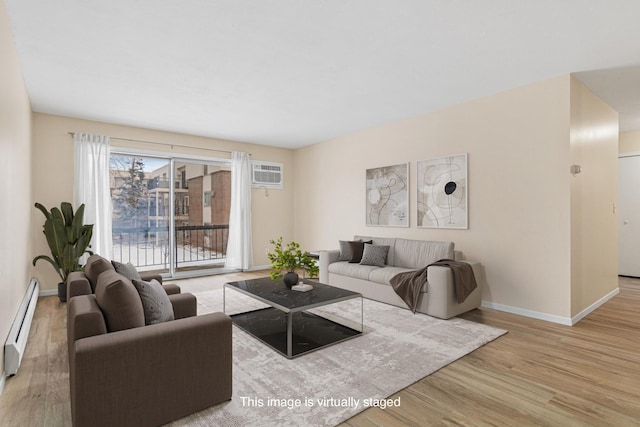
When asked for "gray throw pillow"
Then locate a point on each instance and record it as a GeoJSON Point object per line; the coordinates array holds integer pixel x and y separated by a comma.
{"type": "Point", "coordinates": [155, 302]}
{"type": "Point", "coordinates": [374, 255]}
{"type": "Point", "coordinates": [345, 251]}
{"type": "Point", "coordinates": [127, 270]}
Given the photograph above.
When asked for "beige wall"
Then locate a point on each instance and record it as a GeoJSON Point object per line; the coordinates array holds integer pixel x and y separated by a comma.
{"type": "Point", "coordinates": [629, 142]}
{"type": "Point", "coordinates": [519, 189]}
{"type": "Point", "coordinates": [594, 192]}
{"type": "Point", "coordinates": [272, 216]}
{"type": "Point", "coordinates": [15, 182]}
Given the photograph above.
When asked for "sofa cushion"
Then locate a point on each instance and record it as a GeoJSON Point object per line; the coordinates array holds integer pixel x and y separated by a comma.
{"type": "Point", "coordinates": [155, 301]}
{"type": "Point", "coordinates": [382, 241]}
{"type": "Point", "coordinates": [119, 301]}
{"type": "Point", "coordinates": [128, 270]}
{"type": "Point", "coordinates": [374, 255]}
{"type": "Point", "coordinates": [384, 275]}
{"type": "Point", "coordinates": [357, 248]}
{"type": "Point", "coordinates": [358, 271]}
{"type": "Point", "coordinates": [420, 253]}
{"type": "Point", "coordinates": [95, 266]}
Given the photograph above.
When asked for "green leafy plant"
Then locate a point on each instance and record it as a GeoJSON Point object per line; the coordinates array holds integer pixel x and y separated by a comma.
{"type": "Point", "coordinates": [290, 258]}
{"type": "Point", "coordinates": [67, 237]}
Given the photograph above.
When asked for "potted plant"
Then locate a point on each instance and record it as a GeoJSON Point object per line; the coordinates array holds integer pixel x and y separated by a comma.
{"type": "Point", "coordinates": [68, 238]}
{"type": "Point", "coordinates": [289, 259]}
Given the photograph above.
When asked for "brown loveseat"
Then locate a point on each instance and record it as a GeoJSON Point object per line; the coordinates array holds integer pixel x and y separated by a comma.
{"type": "Point", "coordinates": [123, 373]}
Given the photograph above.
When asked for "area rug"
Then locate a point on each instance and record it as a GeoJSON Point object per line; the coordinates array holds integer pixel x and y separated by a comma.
{"type": "Point", "coordinates": [329, 386]}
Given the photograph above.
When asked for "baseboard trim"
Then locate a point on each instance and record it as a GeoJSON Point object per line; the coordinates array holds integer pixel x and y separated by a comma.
{"type": "Point", "coordinates": [259, 267]}
{"type": "Point", "coordinates": [3, 378]}
{"type": "Point", "coordinates": [567, 321]}
{"type": "Point", "coordinates": [578, 317]}
{"type": "Point", "coordinates": [48, 293]}
{"type": "Point", "coordinates": [527, 313]}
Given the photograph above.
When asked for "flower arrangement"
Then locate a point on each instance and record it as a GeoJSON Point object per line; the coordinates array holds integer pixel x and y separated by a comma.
{"type": "Point", "coordinates": [289, 259]}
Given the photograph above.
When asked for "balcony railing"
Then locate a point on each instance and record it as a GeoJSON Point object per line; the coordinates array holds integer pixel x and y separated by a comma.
{"type": "Point", "coordinates": [148, 247]}
{"type": "Point", "coordinates": [154, 183]}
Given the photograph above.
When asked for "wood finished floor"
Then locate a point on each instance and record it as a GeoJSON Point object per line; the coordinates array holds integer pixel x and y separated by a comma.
{"type": "Point", "coordinates": [539, 374]}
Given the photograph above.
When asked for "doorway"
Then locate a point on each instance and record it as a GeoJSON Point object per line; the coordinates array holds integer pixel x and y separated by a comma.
{"type": "Point", "coordinates": [629, 215]}
{"type": "Point", "coordinates": [170, 215]}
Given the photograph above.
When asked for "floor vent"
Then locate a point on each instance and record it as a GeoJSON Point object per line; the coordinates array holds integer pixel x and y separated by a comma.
{"type": "Point", "coordinates": [17, 340]}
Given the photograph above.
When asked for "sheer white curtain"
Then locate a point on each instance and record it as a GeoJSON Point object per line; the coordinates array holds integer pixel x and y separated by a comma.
{"type": "Point", "coordinates": [239, 249]}
{"type": "Point", "coordinates": [91, 187]}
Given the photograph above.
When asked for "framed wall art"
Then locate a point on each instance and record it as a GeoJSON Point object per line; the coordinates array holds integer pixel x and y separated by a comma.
{"type": "Point", "coordinates": [442, 192]}
{"type": "Point", "coordinates": [388, 196]}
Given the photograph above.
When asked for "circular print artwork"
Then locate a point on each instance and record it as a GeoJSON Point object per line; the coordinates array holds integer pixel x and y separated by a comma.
{"type": "Point", "coordinates": [442, 192]}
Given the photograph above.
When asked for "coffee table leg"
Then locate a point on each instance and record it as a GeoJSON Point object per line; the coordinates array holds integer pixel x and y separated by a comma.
{"type": "Point", "coordinates": [289, 334]}
{"type": "Point", "coordinates": [362, 315]}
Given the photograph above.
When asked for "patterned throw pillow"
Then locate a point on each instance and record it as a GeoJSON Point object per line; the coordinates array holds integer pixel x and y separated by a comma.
{"type": "Point", "coordinates": [155, 301]}
{"type": "Point", "coordinates": [374, 255]}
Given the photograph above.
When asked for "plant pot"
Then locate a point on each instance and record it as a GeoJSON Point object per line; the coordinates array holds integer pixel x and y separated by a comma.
{"type": "Point", "coordinates": [290, 279]}
{"type": "Point", "coordinates": [62, 292]}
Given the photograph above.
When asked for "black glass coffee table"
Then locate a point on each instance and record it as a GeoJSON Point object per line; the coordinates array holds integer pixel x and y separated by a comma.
{"type": "Point", "coordinates": [286, 325]}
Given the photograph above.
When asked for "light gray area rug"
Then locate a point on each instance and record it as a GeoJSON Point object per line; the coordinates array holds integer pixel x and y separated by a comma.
{"type": "Point", "coordinates": [329, 386]}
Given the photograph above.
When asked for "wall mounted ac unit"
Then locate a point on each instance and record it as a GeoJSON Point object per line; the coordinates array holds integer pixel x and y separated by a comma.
{"type": "Point", "coordinates": [267, 175]}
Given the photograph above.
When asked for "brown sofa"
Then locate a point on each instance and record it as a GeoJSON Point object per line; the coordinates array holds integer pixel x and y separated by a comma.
{"type": "Point", "coordinates": [124, 373]}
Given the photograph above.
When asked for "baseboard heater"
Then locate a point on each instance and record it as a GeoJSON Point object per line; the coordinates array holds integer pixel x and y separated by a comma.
{"type": "Point", "coordinates": [17, 340]}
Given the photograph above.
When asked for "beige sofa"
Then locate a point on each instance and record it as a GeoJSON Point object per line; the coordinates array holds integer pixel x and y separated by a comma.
{"type": "Point", "coordinates": [437, 298]}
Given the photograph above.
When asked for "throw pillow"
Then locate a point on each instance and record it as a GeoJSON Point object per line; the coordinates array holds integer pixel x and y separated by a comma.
{"type": "Point", "coordinates": [127, 270]}
{"type": "Point", "coordinates": [155, 301]}
{"type": "Point", "coordinates": [95, 266]}
{"type": "Point", "coordinates": [356, 250]}
{"type": "Point", "coordinates": [374, 255]}
{"type": "Point", "coordinates": [345, 250]}
{"type": "Point", "coordinates": [119, 301]}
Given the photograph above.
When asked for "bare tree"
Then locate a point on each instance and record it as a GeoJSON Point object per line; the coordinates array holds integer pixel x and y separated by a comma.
{"type": "Point", "coordinates": [129, 191]}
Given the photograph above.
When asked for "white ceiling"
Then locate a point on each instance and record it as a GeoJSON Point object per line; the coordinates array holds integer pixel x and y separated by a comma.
{"type": "Point", "coordinates": [295, 72]}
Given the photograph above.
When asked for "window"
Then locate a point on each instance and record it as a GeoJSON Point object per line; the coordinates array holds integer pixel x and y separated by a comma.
{"type": "Point", "coordinates": [140, 226]}
{"type": "Point", "coordinates": [166, 228]}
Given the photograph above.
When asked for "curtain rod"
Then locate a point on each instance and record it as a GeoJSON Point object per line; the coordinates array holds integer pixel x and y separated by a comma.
{"type": "Point", "coordinates": [162, 143]}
